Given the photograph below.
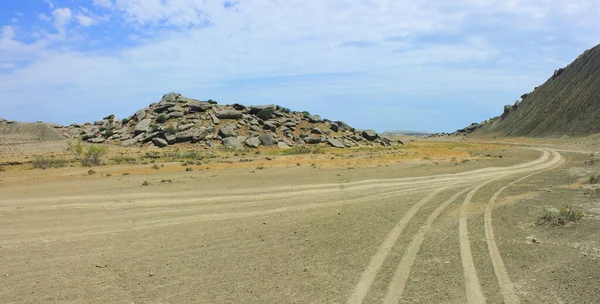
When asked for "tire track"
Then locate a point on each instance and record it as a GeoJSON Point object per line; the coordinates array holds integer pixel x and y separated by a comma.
{"type": "Point", "coordinates": [506, 285]}
{"type": "Point", "coordinates": [368, 276]}
{"type": "Point", "coordinates": [398, 283]}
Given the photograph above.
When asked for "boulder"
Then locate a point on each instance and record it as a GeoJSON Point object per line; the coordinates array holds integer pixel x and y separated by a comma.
{"type": "Point", "coordinates": [109, 117]}
{"type": "Point", "coordinates": [170, 138]}
{"type": "Point", "coordinates": [267, 140]}
{"type": "Point", "coordinates": [256, 109]}
{"type": "Point", "coordinates": [344, 126]}
{"type": "Point", "coordinates": [140, 115]}
{"type": "Point", "coordinates": [96, 140]}
{"type": "Point", "coordinates": [143, 126]}
{"type": "Point", "coordinates": [370, 135]}
{"type": "Point", "coordinates": [334, 127]}
{"type": "Point", "coordinates": [163, 106]}
{"type": "Point", "coordinates": [232, 143]}
{"type": "Point", "coordinates": [159, 142]}
{"type": "Point", "coordinates": [282, 145]}
{"type": "Point", "coordinates": [229, 114]}
{"type": "Point", "coordinates": [185, 127]}
{"type": "Point", "coordinates": [239, 107]}
{"type": "Point", "coordinates": [335, 143]}
{"type": "Point", "coordinates": [316, 131]}
{"type": "Point", "coordinates": [175, 115]}
{"type": "Point", "coordinates": [314, 118]}
{"type": "Point", "coordinates": [270, 125]}
{"type": "Point", "coordinates": [198, 106]}
{"type": "Point", "coordinates": [129, 142]}
{"type": "Point", "coordinates": [214, 119]}
{"type": "Point", "coordinates": [253, 142]}
{"type": "Point", "coordinates": [227, 131]}
{"type": "Point", "coordinates": [312, 140]}
{"type": "Point", "coordinates": [194, 135]}
{"type": "Point", "coordinates": [148, 137]}
{"type": "Point", "coordinates": [170, 97]}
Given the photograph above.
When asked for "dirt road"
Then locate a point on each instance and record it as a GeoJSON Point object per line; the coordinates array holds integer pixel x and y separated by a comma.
{"type": "Point", "coordinates": [236, 237]}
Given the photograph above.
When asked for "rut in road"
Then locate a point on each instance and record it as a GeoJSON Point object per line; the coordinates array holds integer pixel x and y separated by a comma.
{"type": "Point", "coordinates": [473, 288]}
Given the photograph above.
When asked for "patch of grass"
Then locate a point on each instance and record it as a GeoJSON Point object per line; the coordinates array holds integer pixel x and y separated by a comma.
{"type": "Point", "coordinates": [594, 179]}
{"type": "Point", "coordinates": [567, 214]}
{"type": "Point", "coordinates": [265, 114]}
{"type": "Point", "coordinates": [161, 118]}
{"type": "Point", "coordinates": [124, 160]}
{"type": "Point", "coordinates": [88, 156]}
{"type": "Point", "coordinates": [188, 169]}
{"type": "Point", "coordinates": [171, 130]}
{"type": "Point", "coordinates": [42, 162]}
{"type": "Point", "coordinates": [91, 172]}
{"type": "Point", "coordinates": [155, 167]}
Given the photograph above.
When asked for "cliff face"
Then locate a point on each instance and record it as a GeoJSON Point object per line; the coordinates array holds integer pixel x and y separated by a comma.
{"type": "Point", "coordinates": [566, 104]}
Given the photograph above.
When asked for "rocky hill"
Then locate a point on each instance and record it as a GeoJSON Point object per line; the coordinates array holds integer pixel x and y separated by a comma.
{"type": "Point", "coordinates": [568, 103]}
{"type": "Point", "coordinates": [177, 119]}
{"type": "Point", "coordinates": [12, 132]}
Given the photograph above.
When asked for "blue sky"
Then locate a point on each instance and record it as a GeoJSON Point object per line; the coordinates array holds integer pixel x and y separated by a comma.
{"type": "Point", "coordinates": [432, 65]}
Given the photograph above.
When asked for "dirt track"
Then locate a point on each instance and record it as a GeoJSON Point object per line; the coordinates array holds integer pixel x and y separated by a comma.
{"type": "Point", "coordinates": [234, 237]}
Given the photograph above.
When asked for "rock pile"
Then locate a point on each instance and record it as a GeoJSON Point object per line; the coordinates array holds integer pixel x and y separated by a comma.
{"type": "Point", "coordinates": [177, 119]}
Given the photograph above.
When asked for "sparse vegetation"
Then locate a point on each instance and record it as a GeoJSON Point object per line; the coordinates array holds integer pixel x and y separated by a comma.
{"type": "Point", "coordinates": [567, 214]}
{"type": "Point", "coordinates": [124, 160]}
{"type": "Point", "coordinates": [162, 118]}
{"type": "Point", "coordinates": [594, 179]}
{"type": "Point", "coordinates": [306, 113]}
{"type": "Point", "coordinates": [91, 156]}
{"type": "Point", "coordinates": [42, 162]}
{"type": "Point", "coordinates": [155, 167]}
{"type": "Point", "coordinates": [171, 130]}
{"type": "Point", "coordinates": [265, 114]}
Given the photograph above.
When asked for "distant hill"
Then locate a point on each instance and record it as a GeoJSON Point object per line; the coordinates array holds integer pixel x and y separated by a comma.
{"type": "Point", "coordinates": [568, 103]}
{"type": "Point", "coordinates": [12, 132]}
{"type": "Point", "coordinates": [404, 132]}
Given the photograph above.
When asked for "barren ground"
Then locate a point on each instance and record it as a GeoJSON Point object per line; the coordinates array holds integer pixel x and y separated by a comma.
{"type": "Point", "coordinates": [427, 222]}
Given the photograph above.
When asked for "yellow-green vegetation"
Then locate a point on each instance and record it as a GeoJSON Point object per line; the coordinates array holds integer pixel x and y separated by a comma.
{"type": "Point", "coordinates": [42, 162]}
{"type": "Point", "coordinates": [594, 179]}
{"type": "Point", "coordinates": [567, 214]}
{"type": "Point", "coordinates": [89, 156]}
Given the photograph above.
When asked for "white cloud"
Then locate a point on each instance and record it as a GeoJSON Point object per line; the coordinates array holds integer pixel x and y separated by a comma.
{"type": "Point", "coordinates": [103, 3]}
{"type": "Point", "coordinates": [85, 20]}
{"type": "Point", "coordinates": [50, 3]}
{"type": "Point", "coordinates": [62, 17]}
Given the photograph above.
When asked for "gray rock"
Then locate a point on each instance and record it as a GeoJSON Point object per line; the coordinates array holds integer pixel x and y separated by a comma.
{"type": "Point", "coordinates": [96, 140]}
{"type": "Point", "coordinates": [194, 135]}
{"type": "Point", "coordinates": [215, 120]}
{"type": "Point", "coordinates": [170, 138]}
{"type": "Point", "coordinates": [129, 142]}
{"type": "Point", "coordinates": [175, 109]}
{"type": "Point", "coordinates": [335, 143]}
{"type": "Point", "coordinates": [229, 114]}
{"type": "Point", "coordinates": [148, 137]}
{"type": "Point", "coordinates": [143, 126]}
{"type": "Point", "coordinates": [282, 145]}
{"type": "Point", "coordinates": [232, 143]}
{"type": "Point", "coordinates": [314, 119]}
{"type": "Point", "coordinates": [185, 127]}
{"type": "Point", "coordinates": [163, 106]}
{"type": "Point", "coordinates": [238, 107]}
{"type": "Point", "coordinates": [170, 97]}
{"type": "Point", "coordinates": [159, 142]}
{"type": "Point", "coordinates": [334, 127]}
{"type": "Point", "coordinates": [175, 115]}
{"type": "Point", "coordinates": [255, 128]}
{"type": "Point", "coordinates": [312, 140]}
{"type": "Point", "coordinates": [270, 125]}
{"type": "Point", "coordinates": [256, 109]}
{"type": "Point", "coordinates": [316, 131]}
{"type": "Point", "coordinates": [370, 135]}
{"type": "Point", "coordinates": [344, 126]}
{"type": "Point", "coordinates": [198, 106]}
{"type": "Point", "coordinates": [267, 140]}
{"type": "Point", "coordinates": [253, 142]}
{"type": "Point", "coordinates": [227, 131]}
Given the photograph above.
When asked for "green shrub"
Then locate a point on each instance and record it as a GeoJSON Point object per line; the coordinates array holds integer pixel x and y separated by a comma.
{"type": "Point", "coordinates": [265, 114]}
{"type": "Point", "coordinates": [42, 162]}
{"type": "Point", "coordinates": [565, 215]}
{"type": "Point", "coordinates": [306, 113]}
{"type": "Point", "coordinates": [594, 179]}
{"type": "Point", "coordinates": [286, 110]}
{"type": "Point", "coordinates": [109, 133]}
{"type": "Point", "coordinates": [91, 156]}
{"type": "Point", "coordinates": [171, 130]}
{"type": "Point", "coordinates": [162, 118]}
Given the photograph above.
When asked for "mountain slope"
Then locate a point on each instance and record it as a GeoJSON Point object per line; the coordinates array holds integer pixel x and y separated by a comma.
{"type": "Point", "coordinates": [566, 104]}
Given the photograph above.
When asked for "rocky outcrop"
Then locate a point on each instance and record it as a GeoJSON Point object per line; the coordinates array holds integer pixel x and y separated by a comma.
{"type": "Point", "coordinates": [176, 119]}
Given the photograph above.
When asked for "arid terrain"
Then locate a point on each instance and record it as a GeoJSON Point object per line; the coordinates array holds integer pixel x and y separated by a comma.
{"type": "Point", "coordinates": [424, 222]}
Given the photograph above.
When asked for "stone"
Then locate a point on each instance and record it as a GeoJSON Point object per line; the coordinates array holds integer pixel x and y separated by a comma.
{"type": "Point", "coordinates": [214, 119]}
{"type": "Point", "coordinates": [227, 131]}
{"type": "Point", "coordinates": [253, 142]}
{"type": "Point", "coordinates": [267, 140]}
{"type": "Point", "coordinates": [143, 126]}
{"type": "Point", "coordinates": [175, 115]}
{"type": "Point", "coordinates": [370, 135]}
{"type": "Point", "coordinates": [255, 128]}
{"type": "Point", "coordinates": [256, 109]}
{"type": "Point", "coordinates": [170, 97]}
{"type": "Point", "coordinates": [316, 131]}
{"type": "Point", "coordinates": [163, 106]}
{"type": "Point", "coordinates": [232, 143]}
{"type": "Point", "coordinates": [185, 127]}
{"type": "Point", "coordinates": [312, 140]}
{"type": "Point", "coordinates": [96, 140]}
{"type": "Point", "coordinates": [129, 142]}
{"type": "Point", "coordinates": [170, 138]}
{"type": "Point", "coordinates": [159, 142]}
{"type": "Point", "coordinates": [198, 106]}
{"type": "Point", "coordinates": [314, 118]}
{"type": "Point", "coordinates": [229, 114]}
{"type": "Point", "coordinates": [335, 143]}
{"type": "Point", "coordinates": [282, 145]}
{"type": "Point", "coordinates": [109, 117]}
{"type": "Point", "coordinates": [239, 107]}
{"type": "Point", "coordinates": [148, 137]}
{"type": "Point", "coordinates": [334, 127]}
{"type": "Point", "coordinates": [270, 125]}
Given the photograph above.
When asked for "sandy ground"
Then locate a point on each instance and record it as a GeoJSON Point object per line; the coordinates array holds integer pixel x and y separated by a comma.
{"type": "Point", "coordinates": [421, 223]}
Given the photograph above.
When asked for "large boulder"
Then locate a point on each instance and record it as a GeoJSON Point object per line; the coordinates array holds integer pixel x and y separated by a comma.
{"type": "Point", "coordinates": [140, 115]}
{"type": "Point", "coordinates": [198, 106]}
{"type": "Point", "coordinates": [170, 97]}
{"type": "Point", "coordinates": [227, 131]}
{"type": "Point", "coordinates": [314, 118]}
{"type": "Point", "coordinates": [96, 140]}
{"type": "Point", "coordinates": [143, 126]}
{"type": "Point", "coordinates": [129, 142]}
{"type": "Point", "coordinates": [253, 142]}
{"type": "Point", "coordinates": [370, 135]}
{"type": "Point", "coordinates": [233, 143]}
{"type": "Point", "coordinates": [159, 142]}
{"type": "Point", "coordinates": [194, 135]}
{"type": "Point", "coordinates": [312, 140]}
{"type": "Point", "coordinates": [256, 109]}
{"type": "Point", "coordinates": [229, 114]}
{"type": "Point", "coordinates": [267, 140]}
{"type": "Point", "coordinates": [283, 145]}
{"type": "Point", "coordinates": [270, 125]}
{"type": "Point", "coordinates": [335, 143]}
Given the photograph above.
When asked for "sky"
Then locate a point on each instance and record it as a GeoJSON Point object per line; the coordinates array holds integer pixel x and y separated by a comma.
{"type": "Point", "coordinates": [433, 65]}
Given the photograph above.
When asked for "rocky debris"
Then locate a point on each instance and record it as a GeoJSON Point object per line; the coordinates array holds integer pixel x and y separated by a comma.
{"type": "Point", "coordinates": [176, 119]}
{"type": "Point", "coordinates": [253, 142]}
{"type": "Point", "coordinates": [370, 135]}
{"type": "Point", "coordinates": [159, 142]}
